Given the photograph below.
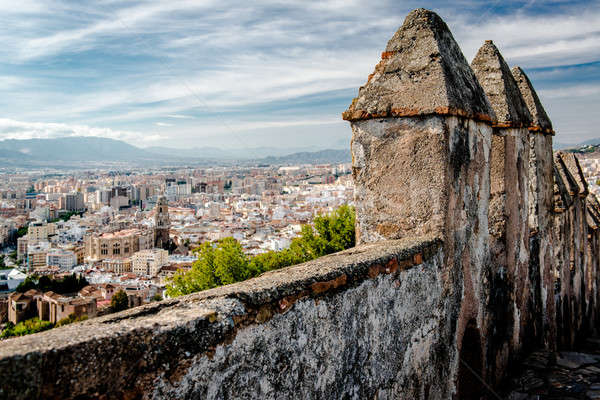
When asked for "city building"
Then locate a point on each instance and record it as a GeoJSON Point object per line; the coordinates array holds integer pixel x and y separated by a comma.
{"type": "Point", "coordinates": [64, 259]}
{"type": "Point", "coordinates": [117, 265]}
{"type": "Point", "coordinates": [123, 243]}
{"type": "Point", "coordinates": [72, 202]}
{"type": "Point", "coordinates": [40, 231]}
{"type": "Point", "coordinates": [149, 262]}
{"type": "Point", "coordinates": [36, 255]}
{"type": "Point", "coordinates": [161, 223]}
{"type": "Point", "coordinates": [10, 279]}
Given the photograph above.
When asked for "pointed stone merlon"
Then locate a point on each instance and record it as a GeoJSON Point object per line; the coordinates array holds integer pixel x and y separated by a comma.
{"type": "Point", "coordinates": [510, 148]}
{"type": "Point", "coordinates": [422, 72]}
{"type": "Point", "coordinates": [541, 203]}
{"type": "Point", "coordinates": [508, 208]}
{"type": "Point", "coordinates": [540, 121]}
{"type": "Point", "coordinates": [540, 158]}
{"type": "Point", "coordinates": [419, 124]}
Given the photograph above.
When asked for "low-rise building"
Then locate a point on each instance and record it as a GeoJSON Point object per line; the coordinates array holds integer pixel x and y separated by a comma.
{"type": "Point", "coordinates": [49, 306]}
{"type": "Point", "coordinates": [117, 265]}
{"type": "Point", "coordinates": [22, 306]}
{"type": "Point", "coordinates": [10, 279]}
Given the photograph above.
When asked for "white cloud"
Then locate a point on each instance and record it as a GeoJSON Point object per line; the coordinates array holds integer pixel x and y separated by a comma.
{"type": "Point", "coordinates": [574, 91]}
{"type": "Point", "coordinates": [535, 40]}
{"type": "Point", "coordinates": [188, 60]}
{"type": "Point", "coordinates": [11, 129]}
{"type": "Point", "coordinates": [180, 116]}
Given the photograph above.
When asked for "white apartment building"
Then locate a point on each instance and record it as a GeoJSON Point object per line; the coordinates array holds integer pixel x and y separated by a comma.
{"type": "Point", "coordinates": [64, 259]}
{"type": "Point", "coordinates": [149, 262]}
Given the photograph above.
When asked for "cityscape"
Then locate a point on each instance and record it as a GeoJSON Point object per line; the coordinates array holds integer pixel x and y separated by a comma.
{"type": "Point", "coordinates": [132, 231]}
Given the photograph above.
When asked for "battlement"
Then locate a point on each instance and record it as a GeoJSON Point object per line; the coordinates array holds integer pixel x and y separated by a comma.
{"type": "Point", "coordinates": [292, 332]}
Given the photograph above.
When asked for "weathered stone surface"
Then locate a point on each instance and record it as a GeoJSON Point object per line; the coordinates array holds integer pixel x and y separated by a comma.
{"type": "Point", "coordinates": [500, 87]}
{"type": "Point", "coordinates": [541, 253]}
{"type": "Point", "coordinates": [151, 350]}
{"type": "Point", "coordinates": [392, 200]}
{"type": "Point", "coordinates": [540, 121]}
{"type": "Point", "coordinates": [572, 164]}
{"type": "Point", "coordinates": [337, 347]}
{"type": "Point", "coordinates": [573, 360]}
{"type": "Point", "coordinates": [508, 213]}
{"type": "Point", "coordinates": [566, 174]}
{"type": "Point", "coordinates": [422, 72]}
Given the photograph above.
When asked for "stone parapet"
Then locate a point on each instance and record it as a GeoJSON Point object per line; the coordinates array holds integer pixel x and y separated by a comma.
{"type": "Point", "coordinates": [190, 346]}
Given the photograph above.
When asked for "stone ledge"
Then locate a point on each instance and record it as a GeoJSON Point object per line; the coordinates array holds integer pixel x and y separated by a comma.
{"type": "Point", "coordinates": [124, 352]}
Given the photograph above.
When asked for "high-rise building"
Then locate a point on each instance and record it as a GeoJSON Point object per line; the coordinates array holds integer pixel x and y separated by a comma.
{"type": "Point", "coordinates": [72, 202]}
{"type": "Point", "coordinates": [161, 224]}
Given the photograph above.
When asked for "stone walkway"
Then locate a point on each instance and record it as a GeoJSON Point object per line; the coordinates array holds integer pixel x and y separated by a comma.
{"type": "Point", "coordinates": [563, 375]}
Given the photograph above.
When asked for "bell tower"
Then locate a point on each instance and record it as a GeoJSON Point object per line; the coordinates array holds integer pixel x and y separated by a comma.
{"type": "Point", "coordinates": [161, 224]}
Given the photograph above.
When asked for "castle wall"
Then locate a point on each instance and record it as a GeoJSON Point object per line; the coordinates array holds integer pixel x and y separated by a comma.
{"type": "Point", "coordinates": [541, 195]}
{"type": "Point", "coordinates": [508, 314]}
{"type": "Point", "coordinates": [362, 323]}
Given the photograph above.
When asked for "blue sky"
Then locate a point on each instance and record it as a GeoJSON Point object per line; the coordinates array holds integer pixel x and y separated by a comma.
{"type": "Point", "coordinates": [260, 73]}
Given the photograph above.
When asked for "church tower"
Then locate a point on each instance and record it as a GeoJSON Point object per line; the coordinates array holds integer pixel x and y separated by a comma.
{"type": "Point", "coordinates": [161, 224]}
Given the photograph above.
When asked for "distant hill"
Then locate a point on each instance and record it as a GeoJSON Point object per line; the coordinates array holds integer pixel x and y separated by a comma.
{"type": "Point", "coordinates": [81, 151]}
{"type": "Point", "coordinates": [71, 149]}
{"type": "Point", "coordinates": [591, 142]}
{"type": "Point", "coordinates": [315, 157]}
{"type": "Point", "coordinates": [229, 154]}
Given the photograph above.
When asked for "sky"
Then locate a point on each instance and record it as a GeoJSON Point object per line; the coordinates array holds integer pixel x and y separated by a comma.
{"type": "Point", "coordinates": [243, 74]}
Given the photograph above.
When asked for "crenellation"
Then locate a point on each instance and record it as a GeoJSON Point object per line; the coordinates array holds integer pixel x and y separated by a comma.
{"type": "Point", "coordinates": [508, 207]}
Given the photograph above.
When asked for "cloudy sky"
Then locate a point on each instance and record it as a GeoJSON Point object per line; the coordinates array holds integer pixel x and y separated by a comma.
{"type": "Point", "coordinates": [240, 74]}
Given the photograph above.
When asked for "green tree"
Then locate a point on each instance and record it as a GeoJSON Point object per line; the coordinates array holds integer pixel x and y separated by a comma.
{"type": "Point", "coordinates": [26, 327]}
{"type": "Point", "coordinates": [219, 263]}
{"type": "Point", "coordinates": [70, 319]}
{"type": "Point", "coordinates": [45, 284]}
{"type": "Point", "coordinates": [119, 301]}
{"type": "Point", "coordinates": [224, 262]}
{"type": "Point", "coordinates": [2, 264]}
{"type": "Point", "coordinates": [157, 297]}
{"type": "Point", "coordinates": [69, 284]}
{"type": "Point", "coordinates": [22, 231]}
{"type": "Point", "coordinates": [27, 284]}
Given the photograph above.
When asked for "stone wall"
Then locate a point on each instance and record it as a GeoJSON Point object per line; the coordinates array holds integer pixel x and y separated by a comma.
{"type": "Point", "coordinates": [357, 324]}
{"type": "Point", "coordinates": [475, 244]}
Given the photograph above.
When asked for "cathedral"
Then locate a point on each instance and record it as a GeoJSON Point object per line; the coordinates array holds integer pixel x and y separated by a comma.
{"type": "Point", "coordinates": [161, 224]}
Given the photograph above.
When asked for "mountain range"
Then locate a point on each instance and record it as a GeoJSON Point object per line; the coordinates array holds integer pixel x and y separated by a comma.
{"type": "Point", "coordinates": [82, 151]}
